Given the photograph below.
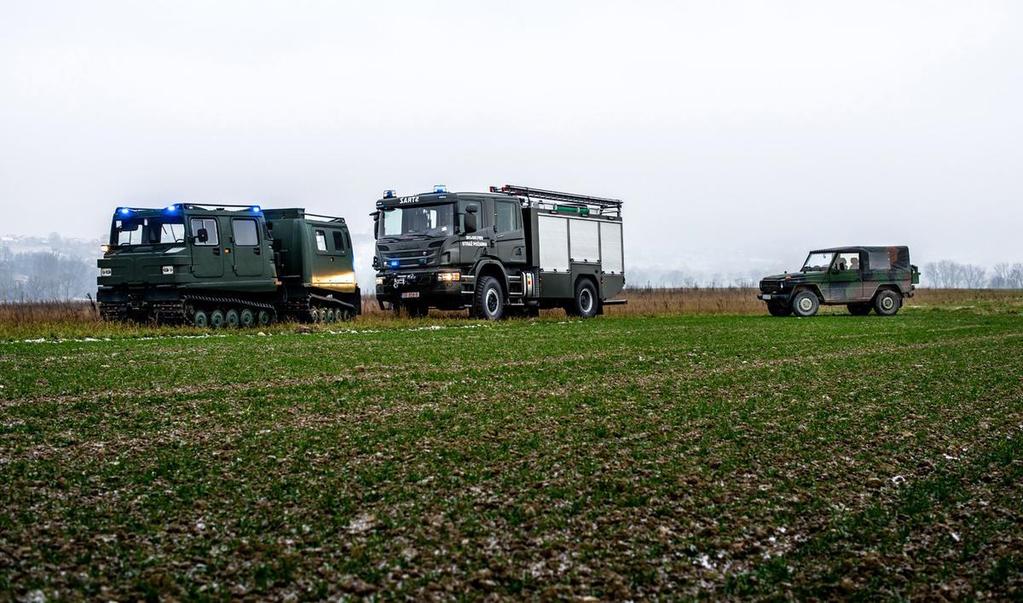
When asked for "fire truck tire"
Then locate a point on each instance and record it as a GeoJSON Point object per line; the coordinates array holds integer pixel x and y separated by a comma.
{"type": "Point", "coordinates": [488, 301]}
{"type": "Point", "coordinates": [586, 304]}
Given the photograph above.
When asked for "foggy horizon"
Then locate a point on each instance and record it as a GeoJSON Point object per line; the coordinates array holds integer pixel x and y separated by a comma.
{"type": "Point", "coordinates": [739, 135]}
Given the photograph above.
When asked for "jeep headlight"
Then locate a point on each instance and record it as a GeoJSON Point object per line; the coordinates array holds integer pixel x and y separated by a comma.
{"type": "Point", "coordinates": [167, 269]}
{"type": "Point", "coordinates": [106, 272]}
{"type": "Point", "coordinates": [449, 277]}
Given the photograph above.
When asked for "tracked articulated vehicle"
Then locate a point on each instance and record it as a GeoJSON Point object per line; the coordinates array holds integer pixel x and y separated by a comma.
{"type": "Point", "coordinates": [513, 250]}
{"type": "Point", "coordinates": [226, 266]}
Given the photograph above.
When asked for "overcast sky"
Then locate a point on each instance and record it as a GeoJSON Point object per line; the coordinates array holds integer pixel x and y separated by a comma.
{"type": "Point", "coordinates": [739, 134]}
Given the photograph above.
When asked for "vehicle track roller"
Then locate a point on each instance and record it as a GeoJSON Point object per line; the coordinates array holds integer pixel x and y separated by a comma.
{"type": "Point", "coordinates": [201, 319]}
{"type": "Point", "coordinates": [217, 318]}
{"type": "Point", "coordinates": [247, 318]}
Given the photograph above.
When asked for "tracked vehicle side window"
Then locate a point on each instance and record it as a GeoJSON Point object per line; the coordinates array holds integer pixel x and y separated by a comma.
{"type": "Point", "coordinates": [245, 232]}
{"type": "Point", "coordinates": [321, 241]}
{"type": "Point", "coordinates": [339, 241]}
{"type": "Point", "coordinates": [207, 225]}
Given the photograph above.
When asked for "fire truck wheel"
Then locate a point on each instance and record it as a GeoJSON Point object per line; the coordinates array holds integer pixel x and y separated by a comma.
{"type": "Point", "coordinates": [488, 302]}
{"type": "Point", "coordinates": [586, 303]}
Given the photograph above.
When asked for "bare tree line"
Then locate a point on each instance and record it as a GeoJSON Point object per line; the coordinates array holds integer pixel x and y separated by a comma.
{"type": "Point", "coordinates": [948, 274]}
{"type": "Point", "coordinates": [44, 275]}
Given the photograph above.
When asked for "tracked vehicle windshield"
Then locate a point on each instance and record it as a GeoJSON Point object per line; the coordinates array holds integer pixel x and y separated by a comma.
{"type": "Point", "coordinates": [128, 232]}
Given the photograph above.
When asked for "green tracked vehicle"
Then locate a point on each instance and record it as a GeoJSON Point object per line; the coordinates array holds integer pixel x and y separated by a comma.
{"type": "Point", "coordinates": [230, 266]}
{"type": "Point", "coordinates": [510, 251]}
{"type": "Point", "coordinates": [861, 278]}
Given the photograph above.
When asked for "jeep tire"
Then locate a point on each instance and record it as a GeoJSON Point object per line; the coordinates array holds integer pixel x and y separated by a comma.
{"type": "Point", "coordinates": [887, 303]}
{"type": "Point", "coordinates": [805, 303]}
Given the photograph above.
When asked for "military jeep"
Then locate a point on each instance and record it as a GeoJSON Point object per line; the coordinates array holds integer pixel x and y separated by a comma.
{"type": "Point", "coordinates": [861, 278]}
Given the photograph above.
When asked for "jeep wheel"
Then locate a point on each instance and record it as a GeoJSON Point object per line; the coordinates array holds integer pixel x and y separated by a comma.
{"type": "Point", "coordinates": [859, 309]}
{"type": "Point", "coordinates": [805, 304]}
{"type": "Point", "coordinates": [488, 301]}
{"type": "Point", "coordinates": [585, 304]}
{"type": "Point", "coordinates": [887, 303]}
{"type": "Point", "coordinates": [779, 308]}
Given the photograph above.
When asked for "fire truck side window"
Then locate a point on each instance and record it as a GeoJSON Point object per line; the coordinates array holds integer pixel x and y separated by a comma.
{"type": "Point", "coordinates": [506, 216]}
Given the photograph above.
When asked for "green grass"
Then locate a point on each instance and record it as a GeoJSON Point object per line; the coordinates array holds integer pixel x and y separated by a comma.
{"type": "Point", "coordinates": [615, 458]}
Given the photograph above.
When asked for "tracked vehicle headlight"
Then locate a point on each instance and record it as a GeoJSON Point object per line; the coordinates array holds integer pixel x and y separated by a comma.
{"type": "Point", "coordinates": [106, 272]}
{"type": "Point", "coordinates": [167, 269]}
{"type": "Point", "coordinates": [380, 280]}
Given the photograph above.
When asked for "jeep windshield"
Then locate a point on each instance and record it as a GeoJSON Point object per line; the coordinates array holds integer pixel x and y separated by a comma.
{"type": "Point", "coordinates": [418, 220]}
{"type": "Point", "coordinates": [138, 231]}
{"type": "Point", "coordinates": [818, 262]}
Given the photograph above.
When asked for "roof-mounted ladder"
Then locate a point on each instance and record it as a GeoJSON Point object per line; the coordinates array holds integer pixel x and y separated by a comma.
{"type": "Point", "coordinates": [539, 197]}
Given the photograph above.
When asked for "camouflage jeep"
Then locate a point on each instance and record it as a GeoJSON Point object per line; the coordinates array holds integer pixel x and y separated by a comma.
{"type": "Point", "coordinates": [862, 278]}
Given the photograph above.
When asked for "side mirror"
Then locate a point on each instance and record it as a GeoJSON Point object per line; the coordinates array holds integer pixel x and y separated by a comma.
{"type": "Point", "coordinates": [202, 236]}
{"type": "Point", "coordinates": [471, 223]}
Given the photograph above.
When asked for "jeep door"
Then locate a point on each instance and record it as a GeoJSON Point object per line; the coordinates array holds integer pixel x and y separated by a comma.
{"type": "Point", "coordinates": [845, 278]}
{"type": "Point", "coordinates": [248, 250]}
{"type": "Point", "coordinates": [207, 259]}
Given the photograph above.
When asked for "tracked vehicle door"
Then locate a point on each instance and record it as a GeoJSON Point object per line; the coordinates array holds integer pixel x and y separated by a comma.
{"type": "Point", "coordinates": [207, 256]}
{"type": "Point", "coordinates": [248, 250]}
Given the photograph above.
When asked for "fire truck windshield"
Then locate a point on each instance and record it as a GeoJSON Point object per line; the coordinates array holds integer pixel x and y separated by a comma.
{"type": "Point", "coordinates": [421, 220]}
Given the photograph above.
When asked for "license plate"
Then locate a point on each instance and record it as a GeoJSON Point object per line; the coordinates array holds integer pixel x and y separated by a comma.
{"type": "Point", "coordinates": [409, 294]}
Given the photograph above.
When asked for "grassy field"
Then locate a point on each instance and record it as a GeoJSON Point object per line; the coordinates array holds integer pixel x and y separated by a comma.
{"type": "Point", "coordinates": [623, 457]}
